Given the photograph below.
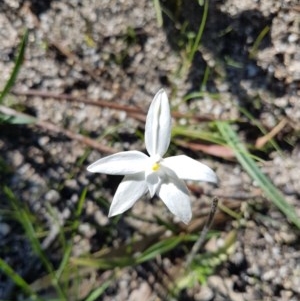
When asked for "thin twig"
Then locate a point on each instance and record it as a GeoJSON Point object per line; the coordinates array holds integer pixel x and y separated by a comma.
{"type": "Point", "coordinates": [198, 244]}
{"type": "Point", "coordinates": [236, 195]}
{"type": "Point", "coordinates": [99, 103]}
{"type": "Point", "coordinates": [261, 141]}
{"type": "Point", "coordinates": [46, 125]}
{"type": "Point", "coordinates": [112, 104]}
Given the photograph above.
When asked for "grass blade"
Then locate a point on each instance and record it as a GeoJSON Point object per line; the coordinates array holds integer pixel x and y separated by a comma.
{"type": "Point", "coordinates": [245, 159]}
{"type": "Point", "coordinates": [17, 279]}
{"type": "Point", "coordinates": [181, 131]}
{"type": "Point", "coordinates": [99, 291]}
{"type": "Point", "coordinates": [158, 11]}
{"type": "Point", "coordinates": [75, 225]}
{"type": "Point", "coordinates": [159, 248]}
{"type": "Point", "coordinates": [16, 68]}
{"type": "Point", "coordinates": [200, 32]}
{"type": "Point", "coordinates": [26, 222]}
{"type": "Point", "coordinates": [257, 42]}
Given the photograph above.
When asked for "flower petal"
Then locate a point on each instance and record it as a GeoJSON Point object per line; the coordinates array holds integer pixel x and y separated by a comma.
{"type": "Point", "coordinates": [158, 125]}
{"type": "Point", "coordinates": [122, 163]}
{"type": "Point", "coordinates": [187, 168]}
{"type": "Point", "coordinates": [129, 191]}
{"type": "Point", "coordinates": [176, 197]}
{"type": "Point", "coordinates": [153, 181]}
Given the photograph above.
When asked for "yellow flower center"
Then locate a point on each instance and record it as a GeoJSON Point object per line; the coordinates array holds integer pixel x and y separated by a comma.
{"type": "Point", "coordinates": [155, 166]}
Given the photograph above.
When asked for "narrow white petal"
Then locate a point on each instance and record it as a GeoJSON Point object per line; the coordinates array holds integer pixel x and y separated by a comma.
{"type": "Point", "coordinates": [176, 197]}
{"type": "Point", "coordinates": [187, 168]}
{"type": "Point", "coordinates": [122, 163]}
{"type": "Point", "coordinates": [153, 181]}
{"type": "Point", "coordinates": [129, 191]}
{"type": "Point", "coordinates": [158, 125]}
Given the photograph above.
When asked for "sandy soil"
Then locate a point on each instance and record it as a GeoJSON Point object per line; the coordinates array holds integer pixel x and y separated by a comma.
{"type": "Point", "coordinates": [115, 51]}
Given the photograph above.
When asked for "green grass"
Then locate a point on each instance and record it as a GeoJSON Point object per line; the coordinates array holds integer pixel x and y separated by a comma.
{"type": "Point", "coordinates": [18, 280]}
{"type": "Point", "coordinates": [205, 264]}
{"type": "Point", "coordinates": [199, 35]}
{"type": "Point", "coordinates": [26, 220]}
{"type": "Point", "coordinates": [257, 42]}
{"type": "Point", "coordinates": [246, 161]}
{"type": "Point", "coordinates": [4, 117]}
{"type": "Point", "coordinates": [16, 69]}
{"type": "Point", "coordinates": [64, 277]}
{"type": "Point", "coordinates": [158, 12]}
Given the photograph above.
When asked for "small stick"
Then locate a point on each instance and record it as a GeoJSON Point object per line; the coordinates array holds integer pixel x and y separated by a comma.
{"type": "Point", "coordinates": [99, 103]}
{"type": "Point", "coordinates": [198, 244]}
{"type": "Point", "coordinates": [46, 125]}
{"type": "Point", "coordinates": [133, 111]}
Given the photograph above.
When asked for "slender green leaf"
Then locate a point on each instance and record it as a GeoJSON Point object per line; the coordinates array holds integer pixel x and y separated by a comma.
{"type": "Point", "coordinates": [197, 134]}
{"type": "Point", "coordinates": [16, 119]}
{"type": "Point", "coordinates": [81, 203]}
{"type": "Point", "coordinates": [17, 279]}
{"type": "Point", "coordinates": [16, 68]}
{"type": "Point", "coordinates": [158, 11]}
{"type": "Point", "coordinates": [254, 49]}
{"type": "Point", "coordinates": [26, 222]}
{"type": "Point", "coordinates": [201, 94]}
{"type": "Point", "coordinates": [130, 259]}
{"type": "Point", "coordinates": [8, 115]}
{"type": "Point", "coordinates": [200, 32]}
{"type": "Point", "coordinates": [69, 245]}
{"type": "Point", "coordinates": [94, 295]}
{"type": "Point", "coordinates": [104, 263]}
{"type": "Point", "coordinates": [159, 248]}
{"type": "Point", "coordinates": [253, 170]}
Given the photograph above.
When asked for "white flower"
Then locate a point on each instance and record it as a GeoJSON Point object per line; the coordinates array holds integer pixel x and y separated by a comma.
{"type": "Point", "coordinates": [161, 176]}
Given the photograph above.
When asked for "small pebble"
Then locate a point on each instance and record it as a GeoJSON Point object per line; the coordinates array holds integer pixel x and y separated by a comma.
{"type": "Point", "coordinates": [4, 229]}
